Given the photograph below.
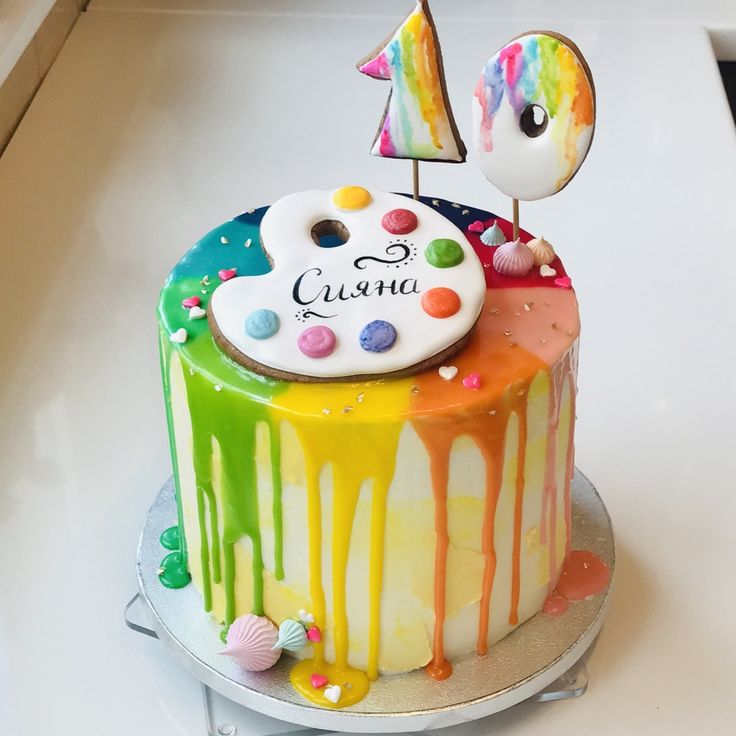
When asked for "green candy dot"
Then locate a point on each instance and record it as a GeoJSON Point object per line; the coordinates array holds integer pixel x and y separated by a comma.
{"type": "Point", "coordinates": [170, 538]}
{"type": "Point", "coordinates": [444, 253]}
{"type": "Point", "coordinates": [173, 572]}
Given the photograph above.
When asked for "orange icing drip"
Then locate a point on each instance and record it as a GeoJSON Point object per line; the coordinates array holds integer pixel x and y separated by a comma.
{"type": "Point", "coordinates": [518, 504]}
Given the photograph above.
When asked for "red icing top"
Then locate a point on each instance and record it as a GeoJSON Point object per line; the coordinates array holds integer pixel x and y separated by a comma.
{"type": "Point", "coordinates": [495, 280]}
{"type": "Point", "coordinates": [399, 221]}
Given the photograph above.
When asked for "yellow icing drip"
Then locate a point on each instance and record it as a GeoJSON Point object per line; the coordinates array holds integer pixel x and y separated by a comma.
{"type": "Point", "coordinates": [327, 439]}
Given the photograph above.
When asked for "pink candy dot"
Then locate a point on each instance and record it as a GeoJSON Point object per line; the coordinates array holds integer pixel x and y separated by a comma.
{"type": "Point", "coordinates": [317, 342]}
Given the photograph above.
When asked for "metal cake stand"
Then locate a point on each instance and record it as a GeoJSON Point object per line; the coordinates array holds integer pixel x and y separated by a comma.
{"type": "Point", "coordinates": [541, 658]}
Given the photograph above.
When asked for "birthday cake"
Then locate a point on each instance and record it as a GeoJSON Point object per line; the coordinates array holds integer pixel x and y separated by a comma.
{"type": "Point", "coordinates": [371, 399]}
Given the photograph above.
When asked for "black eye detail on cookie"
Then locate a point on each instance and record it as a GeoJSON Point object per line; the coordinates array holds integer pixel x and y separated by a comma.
{"type": "Point", "coordinates": [397, 253]}
{"type": "Point", "coordinates": [533, 121]}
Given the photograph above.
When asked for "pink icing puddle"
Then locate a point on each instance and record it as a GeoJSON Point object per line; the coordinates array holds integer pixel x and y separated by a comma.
{"type": "Point", "coordinates": [583, 574]}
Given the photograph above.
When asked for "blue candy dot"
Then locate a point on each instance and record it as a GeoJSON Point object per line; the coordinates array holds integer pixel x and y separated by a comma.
{"type": "Point", "coordinates": [378, 336]}
{"type": "Point", "coordinates": [262, 324]}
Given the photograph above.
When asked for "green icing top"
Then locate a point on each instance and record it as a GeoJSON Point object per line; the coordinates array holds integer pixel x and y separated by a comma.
{"type": "Point", "coordinates": [444, 253]}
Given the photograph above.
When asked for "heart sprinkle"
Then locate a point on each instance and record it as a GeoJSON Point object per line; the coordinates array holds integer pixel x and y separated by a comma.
{"type": "Point", "coordinates": [333, 693]}
{"type": "Point", "coordinates": [472, 381]}
{"type": "Point", "coordinates": [197, 313]}
{"type": "Point", "coordinates": [447, 372]}
{"type": "Point", "coordinates": [476, 227]}
{"type": "Point", "coordinates": [191, 301]}
{"type": "Point", "coordinates": [305, 617]}
{"type": "Point", "coordinates": [226, 274]}
{"type": "Point", "coordinates": [565, 282]}
{"type": "Point", "coordinates": [318, 681]}
{"type": "Point", "coordinates": [179, 337]}
{"type": "Point", "coordinates": [545, 270]}
{"type": "Point", "coordinates": [314, 634]}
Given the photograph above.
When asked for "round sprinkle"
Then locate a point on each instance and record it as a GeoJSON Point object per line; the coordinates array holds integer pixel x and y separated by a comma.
{"type": "Point", "coordinates": [262, 324]}
{"type": "Point", "coordinates": [444, 253]}
{"type": "Point", "coordinates": [378, 336]}
{"type": "Point", "coordinates": [399, 222]}
{"type": "Point", "coordinates": [352, 198]}
{"type": "Point", "coordinates": [441, 302]}
{"type": "Point", "coordinates": [317, 342]}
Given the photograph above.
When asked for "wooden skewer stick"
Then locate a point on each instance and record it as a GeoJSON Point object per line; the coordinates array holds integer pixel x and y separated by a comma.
{"type": "Point", "coordinates": [515, 203]}
{"type": "Point", "coordinates": [415, 175]}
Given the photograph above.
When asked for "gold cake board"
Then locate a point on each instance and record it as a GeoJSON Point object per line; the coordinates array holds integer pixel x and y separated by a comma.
{"type": "Point", "coordinates": [537, 659]}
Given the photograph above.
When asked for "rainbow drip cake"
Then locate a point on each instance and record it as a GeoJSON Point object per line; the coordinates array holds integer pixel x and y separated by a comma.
{"type": "Point", "coordinates": [406, 510]}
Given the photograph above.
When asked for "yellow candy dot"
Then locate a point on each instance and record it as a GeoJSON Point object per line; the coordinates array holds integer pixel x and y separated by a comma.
{"type": "Point", "coordinates": [352, 198]}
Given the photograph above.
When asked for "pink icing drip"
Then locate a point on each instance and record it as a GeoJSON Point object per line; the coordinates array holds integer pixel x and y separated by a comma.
{"type": "Point", "coordinates": [386, 145]}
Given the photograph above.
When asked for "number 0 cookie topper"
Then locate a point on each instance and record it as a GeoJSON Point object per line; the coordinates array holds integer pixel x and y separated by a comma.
{"type": "Point", "coordinates": [533, 116]}
{"type": "Point", "coordinates": [363, 284]}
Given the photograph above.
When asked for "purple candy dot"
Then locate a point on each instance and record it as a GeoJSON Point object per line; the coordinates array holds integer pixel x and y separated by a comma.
{"type": "Point", "coordinates": [317, 342]}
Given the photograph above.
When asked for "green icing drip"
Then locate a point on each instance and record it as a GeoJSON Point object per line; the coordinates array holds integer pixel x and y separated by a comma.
{"type": "Point", "coordinates": [173, 572]}
{"type": "Point", "coordinates": [170, 538]}
{"type": "Point", "coordinates": [228, 414]}
{"type": "Point", "coordinates": [223, 633]}
{"type": "Point", "coordinates": [278, 517]}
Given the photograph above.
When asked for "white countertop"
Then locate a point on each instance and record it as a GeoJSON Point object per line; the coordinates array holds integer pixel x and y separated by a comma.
{"type": "Point", "coordinates": [151, 128]}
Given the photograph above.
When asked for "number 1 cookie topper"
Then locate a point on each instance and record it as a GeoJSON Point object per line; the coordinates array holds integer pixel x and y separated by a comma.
{"type": "Point", "coordinates": [533, 116]}
{"type": "Point", "coordinates": [417, 123]}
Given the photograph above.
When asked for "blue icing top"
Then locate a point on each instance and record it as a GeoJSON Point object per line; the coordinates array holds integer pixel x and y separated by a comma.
{"type": "Point", "coordinates": [212, 253]}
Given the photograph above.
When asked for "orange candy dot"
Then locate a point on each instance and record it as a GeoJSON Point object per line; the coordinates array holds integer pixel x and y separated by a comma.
{"type": "Point", "coordinates": [440, 302]}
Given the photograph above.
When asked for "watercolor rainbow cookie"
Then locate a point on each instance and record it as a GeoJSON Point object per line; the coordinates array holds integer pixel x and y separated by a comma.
{"type": "Point", "coordinates": [377, 525]}
{"type": "Point", "coordinates": [534, 115]}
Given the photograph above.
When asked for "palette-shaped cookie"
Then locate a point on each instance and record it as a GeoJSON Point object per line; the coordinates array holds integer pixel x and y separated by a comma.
{"type": "Point", "coordinates": [362, 284]}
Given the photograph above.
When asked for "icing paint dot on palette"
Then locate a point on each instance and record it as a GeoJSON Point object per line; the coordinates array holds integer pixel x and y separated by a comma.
{"type": "Point", "coordinates": [317, 342]}
{"type": "Point", "coordinates": [444, 253]}
{"type": "Point", "coordinates": [399, 222]}
{"type": "Point", "coordinates": [378, 336]}
{"type": "Point", "coordinates": [352, 198]}
{"type": "Point", "coordinates": [441, 302]}
{"type": "Point", "coordinates": [262, 324]}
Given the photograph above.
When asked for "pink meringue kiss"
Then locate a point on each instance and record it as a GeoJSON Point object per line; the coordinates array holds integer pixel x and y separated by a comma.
{"type": "Point", "coordinates": [513, 259]}
{"type": "Point", "coordinates": [250, 641]}
{"type": "Point", "coordinates": [317, 342]}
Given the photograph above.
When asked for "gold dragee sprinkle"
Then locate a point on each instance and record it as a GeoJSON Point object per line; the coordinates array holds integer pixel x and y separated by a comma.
{"type": "Point", "coordinates": [415, 390]}
{"type": "Point", "coordinates": [512, 344]}
{"type": "Point", "coordinates": [347, 409]}
{"type": "Point", "coordinates": [455, 205]}
{"type": "Point", "coordinates": [508, 333]}
{"type": "Point", "coordinates": [493, 310]}
{"type": "Point", "coordinates": [542, 340]}
{"type": "Point", "coordinates": [359, 398]}
{"type": "Point", "coordinates": [554, 325]}
{"type": "Point", "coordinates": [248, 243]}
{"type": "Point", "coordinates": [492, 412]}
{"type": "Point", "coordinates": [569, 332]}
{"type": "Point", "coordinates": [528, 306]}
{"type": "Point", "coordinates": [517, 314]}
{"type": "Point", "coordinates": [218, 387]}
{"type": "Point", "coordinates": [224, 240]}
{"type": "Point", "coordinates": [203, 291]}
{"type": "Point", "coordinates": [326, 411]}
{"type": "Point", "coordinates": [521, 392]}
{"type": "Point", "coordinates": [160, 571]}
{"type": "Point", "coordinates": [205, 280]}
{"type": "Point", "coordinates": [466, 212]}
{"type": "Point", "coordinates": [436, 202]}
{"type": "Point", "coordinates": [250, 211]}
